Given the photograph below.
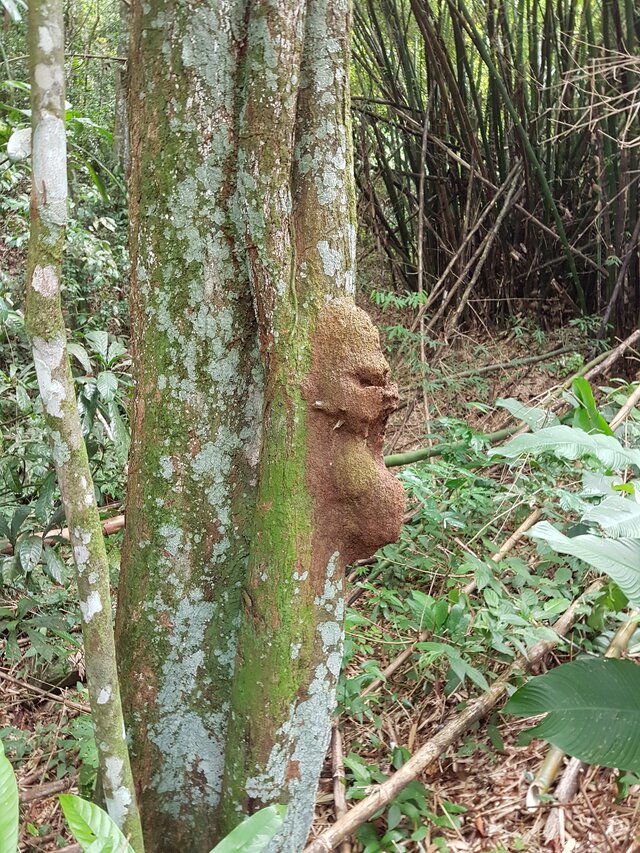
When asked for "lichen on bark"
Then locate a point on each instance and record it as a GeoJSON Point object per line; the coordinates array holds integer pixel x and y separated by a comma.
{"type": "Point", "coordinates": [243, 244]}
{"type": "Point", "coordinates": [196, 422]}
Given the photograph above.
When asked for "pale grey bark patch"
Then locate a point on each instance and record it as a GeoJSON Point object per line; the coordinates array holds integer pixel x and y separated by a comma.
{"type": "Point", "coordinates": [49, 160]}
{"type": "Point", "coordinates": [91, 606]}
{"type": "Point", "coordinates": [19, 145]}
{"type": "Point", "coordinates": [119, 802]}
{"type": "Point", "coordinates": [45, 281]}
{"type": "Point", "coordinates": [191, 742]}
{"type": "Point", "coordinates": [104, 695]}
{"type": "Point", "coordinates": [47, 356]}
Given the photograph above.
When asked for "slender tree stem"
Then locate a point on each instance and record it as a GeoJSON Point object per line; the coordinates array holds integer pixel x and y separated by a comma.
{"type": "Point", "coordinates": [45, 324]}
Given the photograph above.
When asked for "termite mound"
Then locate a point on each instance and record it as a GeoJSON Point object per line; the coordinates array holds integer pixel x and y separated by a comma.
{"type": "Point", "coordinates": [358, 503]}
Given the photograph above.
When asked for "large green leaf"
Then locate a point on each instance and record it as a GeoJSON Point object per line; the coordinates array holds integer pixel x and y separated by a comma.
{"type": "Point", "coordinates": [254, 833]}
{"type": "Point", "coordinates": [567, 442]}
{"type": "Point", "coordinates": [89, 823]}
{"type": "Point", "coordinates": [587, 416]}
{"type": "Point", "coordinates": [592, 708]}
{"type": "Point", "coordinates": [9, 810]}
{"type": "Point", "coordinates": [618, 558]}
{"type": "Point", "coordinates": [617, 516]}
{"type": "Point", "coordinates": [534, 417]}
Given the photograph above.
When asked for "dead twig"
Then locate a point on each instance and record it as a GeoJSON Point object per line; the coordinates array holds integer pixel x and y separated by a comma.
{"type": "Point", "coordinates": [339, 789]}
{"type": "Point", "coordinates": [46, 694]}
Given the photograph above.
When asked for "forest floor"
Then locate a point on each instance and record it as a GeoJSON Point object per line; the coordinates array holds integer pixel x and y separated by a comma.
{"type": "Point", "coordinates": [476, 793]}
{"type": "Point", "coordinates": [487, 775]}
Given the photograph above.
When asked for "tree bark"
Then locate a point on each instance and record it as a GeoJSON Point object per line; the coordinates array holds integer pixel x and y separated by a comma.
{"type": "Point", "coordinates": [262, 396]}
{"type": "Point", "coordinates": [46, 328]}
{"type": "Point", "coordinates": [196, 422]}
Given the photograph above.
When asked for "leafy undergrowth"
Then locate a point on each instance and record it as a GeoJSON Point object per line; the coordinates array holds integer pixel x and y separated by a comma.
{"type": "Point", "coordinates": [444, 592]}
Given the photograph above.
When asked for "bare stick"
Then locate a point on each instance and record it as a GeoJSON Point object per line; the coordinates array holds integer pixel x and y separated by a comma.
{"type": "Point", "coordinates": [46, 694]}
{"type": "Point", "coordinates": [382, 794]}
{"type": "Point", "coordinates": [626, 409]}
{"type": "Point", "coordinates": [44, 791]}
{"type": "Point", "coordinates": [339, 790]}
{"type": "Point", "coordinates": [614, 355]}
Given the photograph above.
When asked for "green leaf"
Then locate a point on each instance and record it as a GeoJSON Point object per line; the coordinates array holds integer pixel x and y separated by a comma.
{"type": "Point", "coordinates": [107, 384]}
{"type": "Point", "coordinates": [99, 341]}
{"type": "Point", "coordinates": [592, 708]}
{"type": "Point", "coordinates": [534, 417]}
{"type": "Point", "coordinates": [90, 823]}
{"type": "Point", "coordinates": [9, 810]}
{"type": "Point", "coordinates": [589, 418]}
{"type": "Point", "coordinates": [254, 833]}
{"type": "Point", "coordinates": [53, 565]}
{"type": "Point", "coordinates": [567, 442]}
{"type": "Point", "coordinates": [17, 521]}
{"type": "Point", "coordinates": [4, 527]}
{"type": "Point", "coordinates": [98, 182]}
{"type": "Point", "coordinates": [120, 430]}
{"type": "Point", "coordinates": [618, 558]}
{"type": "Point", "coordinates": [617, 516]}
{"type": "Point", "coordinates": [29, 552]}
{"type": "Point", "coordinates": [79, 352]}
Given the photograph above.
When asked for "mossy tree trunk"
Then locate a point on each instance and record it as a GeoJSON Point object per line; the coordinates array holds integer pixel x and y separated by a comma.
{"type": "Point", "coordinates": [45, 324]}
{"type": "Point", "coordinates": [262, 396]}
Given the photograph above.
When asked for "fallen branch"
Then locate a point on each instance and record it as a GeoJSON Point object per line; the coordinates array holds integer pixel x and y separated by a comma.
{"type": "Point", "coordinates": [516, 362]}
{"type": "Point", "coordinates": [109, 526]}
{"type": "Point", "coordinates": [614, 355]}
{"type": "Point", "coordinates": [626, 409]}
{"type": "Point", "coordinates": [44, 791]}
{"type": "Point", "coordinates": [46, 694]}
{"type": "Point", "coordinates": [383, 794]}
{"type": "Point", "coordinates": [339, 785]}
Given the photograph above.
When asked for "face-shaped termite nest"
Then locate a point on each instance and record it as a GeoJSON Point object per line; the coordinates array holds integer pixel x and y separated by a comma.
{"type": "Point", "coordinates": [359, 504]}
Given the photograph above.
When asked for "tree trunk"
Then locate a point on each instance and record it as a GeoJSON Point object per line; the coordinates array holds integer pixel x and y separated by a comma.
{"type": "Point", "coordinates": [262, 396]}
{"type": "Point", "coordinates": [47, 332]}
{"type": "Point", "coordinates": [121, 147]}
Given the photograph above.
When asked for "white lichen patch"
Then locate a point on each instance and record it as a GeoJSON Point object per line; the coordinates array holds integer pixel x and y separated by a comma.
{"type": "Point", "coordinates": [45, 281]}
{"type": "Point", "coordinates": [48, 357]}
{"type": "Point", "coordinates": [118, 797]}
{"type": "Point", "coordinates": [104, 695]}
{"type": "Point", "coordinates": [81, 554]}
{"type": "Point", "coordinates": [190, 739]}
{"type": "Point", "coordinates": [60, 449]}
{"type": "Point", "coordinates": [91, 606]}
{"type": "Point", "coordinates": [332, 259]}
{"type": "Point", "coordinates": [302, 741]}
{"type": "Point", "coordinates": [49, 161]}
